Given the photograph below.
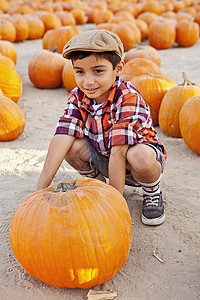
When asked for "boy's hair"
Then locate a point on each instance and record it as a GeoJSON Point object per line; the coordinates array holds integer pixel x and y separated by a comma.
{"type": "Point", "coordinates": [111, 56]}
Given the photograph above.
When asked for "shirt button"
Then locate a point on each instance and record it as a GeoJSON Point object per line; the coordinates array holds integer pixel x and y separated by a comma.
{"type": "Point", "coordinates": [96, 117]}
{"type": "Point", "coordinates": [98, 140]}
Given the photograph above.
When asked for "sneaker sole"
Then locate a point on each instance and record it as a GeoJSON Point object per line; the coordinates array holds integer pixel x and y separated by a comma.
{"type": "Point", "coordinates": [156, 221]}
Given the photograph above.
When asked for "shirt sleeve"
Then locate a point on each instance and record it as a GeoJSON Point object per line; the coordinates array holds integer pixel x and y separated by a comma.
{"type": "Point", "coordinates": [71, 122]}
{"type": "Point", "coordinates": [132, 122]}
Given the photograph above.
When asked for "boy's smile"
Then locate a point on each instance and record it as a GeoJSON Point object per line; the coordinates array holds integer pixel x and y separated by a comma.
{"type": "Point", "coordinates": [95, 76]}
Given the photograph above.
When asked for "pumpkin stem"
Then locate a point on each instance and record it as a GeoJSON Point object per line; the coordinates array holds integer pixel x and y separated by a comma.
{"type": "Point", "coordinates": [186, 80]}
{"type": "Point", "coordinates": [64, 186]}
{"type": "Point", "coordinates": [54, 49]}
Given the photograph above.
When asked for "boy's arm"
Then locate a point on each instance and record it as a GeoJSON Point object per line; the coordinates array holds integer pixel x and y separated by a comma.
{"type": "Point", "coordinates": [58, 148]}
{"type": "Point", "coordinates": [117, 167]}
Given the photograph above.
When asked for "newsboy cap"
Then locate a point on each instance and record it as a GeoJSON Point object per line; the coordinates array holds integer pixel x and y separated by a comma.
{"type": "Point", "coordinates": [94, 41]}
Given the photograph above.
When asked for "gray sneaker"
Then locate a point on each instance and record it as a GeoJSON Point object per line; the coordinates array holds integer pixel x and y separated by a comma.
{"type": "Point", "coordinates": [153, 209]}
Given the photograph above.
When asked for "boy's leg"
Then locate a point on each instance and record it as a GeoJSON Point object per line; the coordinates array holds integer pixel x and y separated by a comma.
{"type": "Point", "coordinates": [147, 163]}
{"type": "Point", "coordinates": [79, 158]}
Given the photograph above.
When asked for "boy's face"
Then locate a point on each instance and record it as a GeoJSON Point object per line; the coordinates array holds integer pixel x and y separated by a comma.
{"type": "Point", "coordinates": [95, 76]}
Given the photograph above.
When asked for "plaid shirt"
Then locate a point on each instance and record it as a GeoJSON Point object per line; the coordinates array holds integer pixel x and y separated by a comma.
{"type": "Point", "coordinates": [124, 118]}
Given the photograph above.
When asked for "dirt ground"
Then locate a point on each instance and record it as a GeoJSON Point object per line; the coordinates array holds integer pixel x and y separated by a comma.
{"type": "Point", "coordinates": [176, 242]}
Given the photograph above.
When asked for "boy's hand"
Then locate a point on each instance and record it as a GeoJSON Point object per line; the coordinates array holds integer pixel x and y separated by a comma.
{"type": "Point", "coordinates": [117, 167]}
{"type": "Point", "coordinates": [58, 148]}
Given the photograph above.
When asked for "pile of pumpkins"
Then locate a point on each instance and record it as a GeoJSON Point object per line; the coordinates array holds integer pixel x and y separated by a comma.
{"type": "Point", "coordinates": [12, 120]}
{"type": "Point", "coordinates": [132, 20]}
{"type": "Point", "coordinates": [163, 23]}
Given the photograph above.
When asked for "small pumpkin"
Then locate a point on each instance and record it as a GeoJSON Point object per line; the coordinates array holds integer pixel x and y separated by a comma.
{"type": "Point", "coordinates": [149, 17]}
{"type": "Point", "coordinates": [59, 37]}
{"type": "Point", "coordinates": [45, 68]}
{"type": "Point", "coordinates": [7, 30]}
{"type": "Point", "coordinates": [162, 34]}
{"type": "Point", "coordinates": [187, 33]}
{"type": "Point", "coordinates": [8, 49]}
{"type": "Point", "coordinates": [76, 234]}
{"type": "Point", "coordinates": [80, 16]}
{"type": "Point", "coordinates": [66, 18]}
{"type": "Point", "coordinates": [50, 20]}
{"type": "Point", "coordinates": [189, 123]}
{"type": "Point", "coordinates": [129, 34]}
{"type": "Point", "coordinates": [139, 66]}
{"type": "Point", "coordinates": [153, 87]}
{"type": "Point", "coordinates": [7, 61]}
{"type": "Point", "coordinates": [68, 76]}
{"type": "Point", "coordinates": [36, 27]}
{"type": "Point", "coordinates": [12, 120]}
{"type": "Point", "coordinates": [21, 26]}
{"type": "Point", "coordinates": [172, 103]}
{"type": "Point", "coordinates": [10, 82]}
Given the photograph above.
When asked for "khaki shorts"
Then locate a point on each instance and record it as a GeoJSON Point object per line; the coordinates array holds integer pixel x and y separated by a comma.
{"type": "Point", "coordinates": [100, 162]}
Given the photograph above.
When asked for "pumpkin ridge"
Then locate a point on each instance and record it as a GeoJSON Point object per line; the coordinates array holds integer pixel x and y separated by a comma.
{"type": "Point", "coordinates": [89, 231]}
{"type": "Point", "coordinates": [51, 235]}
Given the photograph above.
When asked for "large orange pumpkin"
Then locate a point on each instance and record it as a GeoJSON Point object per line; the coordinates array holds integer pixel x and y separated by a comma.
{"type": "Point", "coordinates": [172, 103]}
{"type": "Point", "coordinates": [153, 87]}
{"type": "Point", "coordinates": [76, 234]}
{"type": "Point", "coordinates": [10, 82]}
{"type": "Point", "coordinates": [45, 68]}
{"type": "Point", "coordinates": [189, 123]}
{"type": "Point", "coordinates": [12, 120]}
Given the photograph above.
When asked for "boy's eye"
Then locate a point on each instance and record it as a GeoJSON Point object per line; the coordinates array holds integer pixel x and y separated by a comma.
{"type": "Point", "coordinates": [79, 72]}
{"type": "Point", "coordinates": [98, 71]}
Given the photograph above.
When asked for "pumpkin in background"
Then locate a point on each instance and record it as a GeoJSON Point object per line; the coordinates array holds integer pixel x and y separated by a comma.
{"type": "Point", "coordinates": [12, 120]}
{"type": "Point", "coordinates": [76, 234]}
{"type": "Point", "coordinates": [139, 66]}
{"type": "Point", "coordinates": [79, 15]}
{"type": "Point", "coordinates": [129, 34]}
{"type": "Point", "coordinates": [142, 25]}
{"type": "Point", "coordinates": [10, 83]}
{"type": "Point", "coordinates": [45, 68]}
{"type": "Point", "coordinates": [149, 17]}
{"type": "Point", "coordinates": [106, 26]}
{"type": "Point", "coordinates": [153, 87]}
{"type": "Point", "coordinates": [172, 103]}
{"type": "Point", "coordinates": [187, 33]}
{"type": "Point", "coordinates": [59, 37]}
{"type": "Point", "coordinates": [36, 27]}
{"type": "Point", "coordinates": [66, 18]}
{"type": "Point", "coordinates": [68, 76]}
{"type": "Point", "coordinates": [21, 26]}
{"type": "Point", "coordinates": [162, 34]}
{"type": "Point", "coordinates": [7, 30]}
{"type": "Point", "coordinates": [143, 51]}
{"type": "Point", "coordinates": [8, 49]}
{"type": "Point", "coordinates": [50, 20]}
{"type": "Point", "coordinates": [189, 123]}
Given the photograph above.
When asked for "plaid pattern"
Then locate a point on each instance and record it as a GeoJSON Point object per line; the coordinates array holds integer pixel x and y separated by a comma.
{"type": "Point", "coordinates": [124, 118]}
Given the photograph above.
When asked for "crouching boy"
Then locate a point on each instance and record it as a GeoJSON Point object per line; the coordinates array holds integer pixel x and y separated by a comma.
{"type": "Point", "coordinates": [106, 130]}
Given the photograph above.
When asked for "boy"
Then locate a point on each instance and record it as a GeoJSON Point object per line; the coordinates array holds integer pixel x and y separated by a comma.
{"type": "Point", "coordinates": [106, 129]}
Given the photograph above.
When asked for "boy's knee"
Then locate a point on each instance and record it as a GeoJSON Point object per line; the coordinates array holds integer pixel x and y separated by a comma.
{"type": "Point", "coordinates": [141, 157]}
{"type": "Point", "coordinates": [79, 153]}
